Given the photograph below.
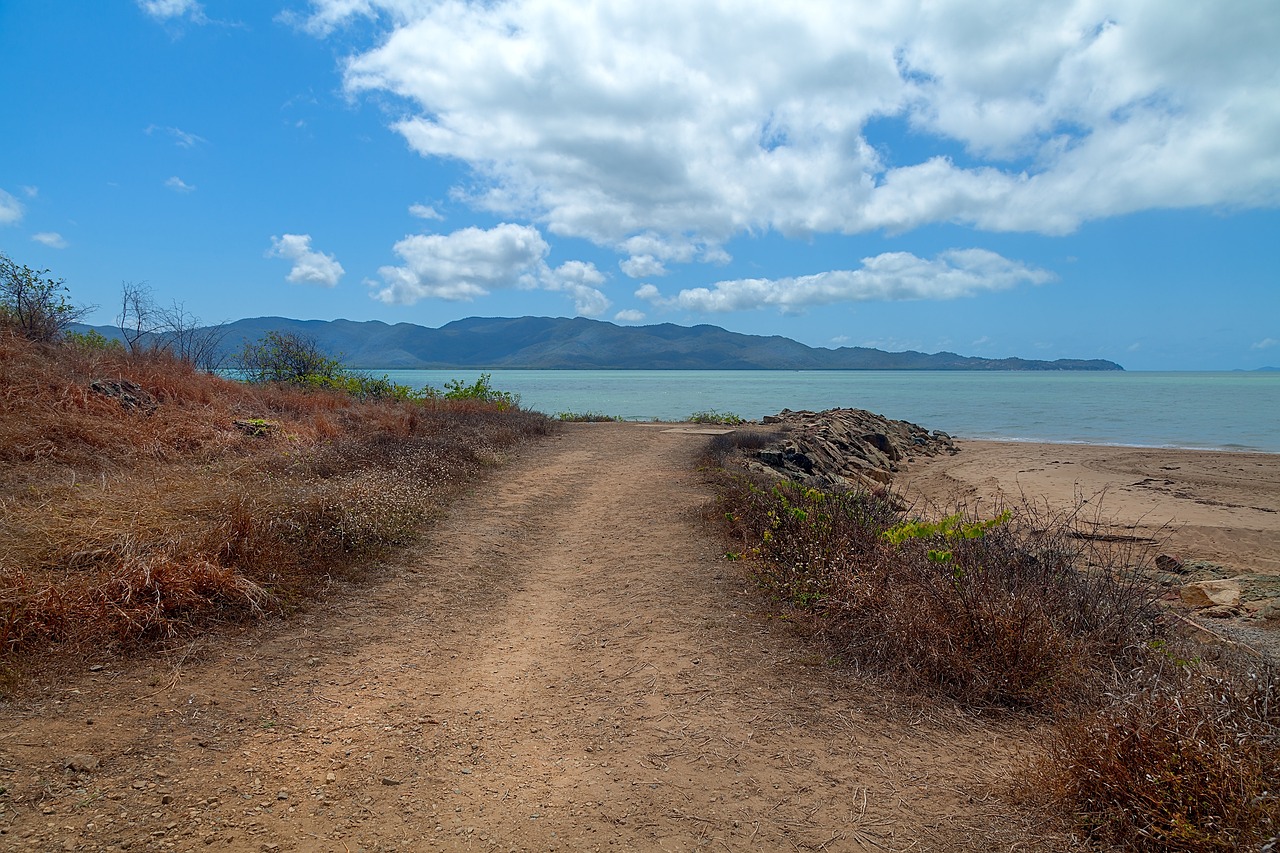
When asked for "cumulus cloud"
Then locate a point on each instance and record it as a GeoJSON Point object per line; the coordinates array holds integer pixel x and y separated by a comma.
{"type": "Point", "coordinates": [11, 209]}
{"type": "Point", "coordinates": [1265, 343]}
{"type": "Point", "coordinates": [424, 211]}
{"type": "Point", "coordinates": [52, 239]}
{"type": "Point", "coordinates": [309, 266]}
{"type": "Point", "coordinates": [30, 192]}
{"type": "Point", "coordinates": [178, 185]}
{"type": "Point", "coordinates": [473, 262]}
{"type": "Point", "coordinates": [629, 315]}
{"type": "Point", "coordinates": [642, 266]}
{"type": "Point", "coordinates": [593, 120]}
{"type": "Point", "coordinates": [890, 277]}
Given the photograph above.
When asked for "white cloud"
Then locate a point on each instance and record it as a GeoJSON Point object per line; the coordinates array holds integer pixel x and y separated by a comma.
{"type": "Point", "coordinates": [472, 262]}
{"type": "Point", "coordinates": [463, 265]}
{"type": "Point", "coordinates": [309, 266]}
{"type": "Point", "coordinates": [52, 239]}
{"type": "Point", "coordinates": [642, 266]}
{"type": "Point", "coordinates": [629, 315]}
{"type": "Point", "coordinates": [595, 121]}
{"type": "Point", "coordinates": [30, 192]}
{"type": "Point", "coordinates": [178, 185]}
{"type": "Point", "coordinates": [424, 211]}
{"type": "Point", "coordinates": [180, 137]}
{"type": "Point", "coordinates": [11, 209]}
{"type": "Point", "coordinates": [582, 281]}
{"type": "Point", "coordinates": [892, 276]}
{"type": "Point", "coordinates": [1265, 343]}
{"type": "Point", "coordinates": [840, 340]}
{"type": "Point", "coordinates": [164, 10]}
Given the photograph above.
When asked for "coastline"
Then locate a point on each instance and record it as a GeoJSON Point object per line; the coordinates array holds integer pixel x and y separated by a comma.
{"type": "Point", "coordinates": [1219, 506]}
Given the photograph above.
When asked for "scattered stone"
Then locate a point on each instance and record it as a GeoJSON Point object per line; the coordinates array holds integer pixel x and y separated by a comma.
{"type": "Point", "coordinates": [842, 449]}
{"type": "Point", "coordinates": [387, 780]}
{"type": "Point", "coordinates": [130, 395]}
{"type": "Point", "coordinates": [1219, 611]}
{"type": "Point", "coordinates": [1168, 563]}
{"type": "Point", "coordinates": [255, 426]}
{"type": "Point", "coordinates": [1211, 593]}
{"type": "Point", "coordinates": [97, 667]}
{"type": "Point", "coordinates": [83, 763]}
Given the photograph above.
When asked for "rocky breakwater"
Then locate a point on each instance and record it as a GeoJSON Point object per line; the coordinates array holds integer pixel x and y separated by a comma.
{"type": "Point", "coordinates": [842, 449]}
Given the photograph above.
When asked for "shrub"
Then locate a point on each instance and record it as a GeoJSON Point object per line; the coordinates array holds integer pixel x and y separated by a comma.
{"type": "Point", "coordinates": [287, 357]}
{"type": "Point", "coordinates": [34, 305]}
{"type": "Point", "coordinates": [711, 416]}
{"type": "Point", "coordinates": [1183, 756]}
{"type": "Point", "coordinates": [1012, 611]}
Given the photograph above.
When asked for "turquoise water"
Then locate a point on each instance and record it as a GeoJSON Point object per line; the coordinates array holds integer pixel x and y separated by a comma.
{"type": "Point", "coordinates": [1232, 411]}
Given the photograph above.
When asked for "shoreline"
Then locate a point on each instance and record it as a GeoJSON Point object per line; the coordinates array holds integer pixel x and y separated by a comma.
{"type": "Point", "coordinates": [1215, 511]}
{"type": "Point", "coordinates": [1231, 448]}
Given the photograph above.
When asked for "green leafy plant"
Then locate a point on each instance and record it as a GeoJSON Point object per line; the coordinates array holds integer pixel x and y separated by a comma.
{"type": "Point", "coordinates": [33, 304]}
{"type": "Point", "coordinates": [711, 416]}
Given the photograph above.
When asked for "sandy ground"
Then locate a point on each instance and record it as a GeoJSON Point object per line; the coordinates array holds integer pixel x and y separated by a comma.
{"type": "Point", "coordinates": [567, 663]}
{"type": "Point", "coordinates": [1221, 507]}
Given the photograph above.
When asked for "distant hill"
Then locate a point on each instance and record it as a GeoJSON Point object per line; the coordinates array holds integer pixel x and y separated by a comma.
{"type": "Point", "coordinates": [579, 343]}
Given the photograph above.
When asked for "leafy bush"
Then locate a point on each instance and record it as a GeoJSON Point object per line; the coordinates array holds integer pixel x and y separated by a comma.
{"type": "Point", "coordinates": [287, 357]}
{"type": "Point", "coordinates": [481, 390]}
{"type": "Point", "coordinates": [711, 416]}
{"type": "Point", "coordinates": [34, 305]}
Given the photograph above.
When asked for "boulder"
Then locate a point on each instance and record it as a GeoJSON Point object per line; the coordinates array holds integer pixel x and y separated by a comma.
{"type": "Point", "coordinates": [1211, 593]}
{"type": "Point", "coordinates": [846, 448]}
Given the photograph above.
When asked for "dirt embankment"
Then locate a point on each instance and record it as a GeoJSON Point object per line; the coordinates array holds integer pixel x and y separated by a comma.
{"type": "Point", "coordinates": [567, 663]}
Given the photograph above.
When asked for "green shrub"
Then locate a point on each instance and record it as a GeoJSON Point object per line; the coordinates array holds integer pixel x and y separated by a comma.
{"type": "Point", "coordinates": [711, 416]}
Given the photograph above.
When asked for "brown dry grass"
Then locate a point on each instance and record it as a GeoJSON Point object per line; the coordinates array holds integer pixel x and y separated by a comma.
{"type": "Point", "coordinates": [122, 525]}
{"type": "Point", "coordinates": [1151, 744]}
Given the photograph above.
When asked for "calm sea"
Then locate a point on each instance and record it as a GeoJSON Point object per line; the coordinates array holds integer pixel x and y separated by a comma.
{"type": "Point", "coordinates": [1231, 411]}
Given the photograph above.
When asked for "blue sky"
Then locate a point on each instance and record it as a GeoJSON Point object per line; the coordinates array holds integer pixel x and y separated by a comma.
{"type": "Point", "coordinates": [1096, 179]}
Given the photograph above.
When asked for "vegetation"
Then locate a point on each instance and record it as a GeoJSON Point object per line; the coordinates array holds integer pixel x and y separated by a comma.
{"type": "Point", "coordinates": [711, 416]}
{"type": "Point", "coordinates": [586, 417]}
{"type": "Point", "coordinates": [1153, 745]}
{"type": "Point", "coordinates": [143, 499]}
{"type": "Point", "coordinates": [34, 305]}
{"type": "Point", "coordinates": [147, 326]}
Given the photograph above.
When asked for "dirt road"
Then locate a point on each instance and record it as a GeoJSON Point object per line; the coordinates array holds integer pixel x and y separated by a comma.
{"type": "Point", "coordinates": [567, 663]}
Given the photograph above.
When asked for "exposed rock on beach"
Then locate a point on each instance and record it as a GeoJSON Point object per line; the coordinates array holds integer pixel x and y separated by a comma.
{"type": "Point", "coordinates": [842, 449]}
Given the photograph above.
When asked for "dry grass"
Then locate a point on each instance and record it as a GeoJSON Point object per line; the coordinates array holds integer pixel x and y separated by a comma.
{"type": "Point", "coordinates": [1151, 746]}
{"type": "Point", "coordinates": [126, 524]}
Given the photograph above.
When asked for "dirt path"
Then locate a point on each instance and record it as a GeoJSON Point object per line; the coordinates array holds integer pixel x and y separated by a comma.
{"type": "Point", "coordinates": [567, 664]}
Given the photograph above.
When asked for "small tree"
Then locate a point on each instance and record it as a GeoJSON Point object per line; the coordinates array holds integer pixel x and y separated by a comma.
{"type": "Point", "coordinates": [287, 357]}
{"type": "Point", "coordinates": [33, 304]}
{"type": "Point", "coordinates": [195, 344]}
{"type": "Point", "coordinates": [146, 327]}
{"type": "Point", "coordinates": [139, 320]}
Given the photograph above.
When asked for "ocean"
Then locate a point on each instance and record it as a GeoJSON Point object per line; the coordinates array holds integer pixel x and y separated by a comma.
{"type": "Point", "coordinates": [1214, 411]}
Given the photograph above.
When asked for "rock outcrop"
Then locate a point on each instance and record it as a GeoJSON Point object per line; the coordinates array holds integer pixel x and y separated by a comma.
{"type": "Point", "coordinates": [842, 449]}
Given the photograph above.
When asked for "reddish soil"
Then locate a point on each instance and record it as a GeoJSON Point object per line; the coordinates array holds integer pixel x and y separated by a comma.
{"type": "Point", "coordinates": [568, 662]}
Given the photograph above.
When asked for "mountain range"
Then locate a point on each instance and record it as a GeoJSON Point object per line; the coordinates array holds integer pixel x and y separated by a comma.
{"type": "Point", "coordinates": [580, 343]}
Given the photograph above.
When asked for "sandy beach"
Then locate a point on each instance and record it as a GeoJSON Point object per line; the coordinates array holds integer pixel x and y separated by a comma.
{"type": "Point", "coordinates": [1214, 506]}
